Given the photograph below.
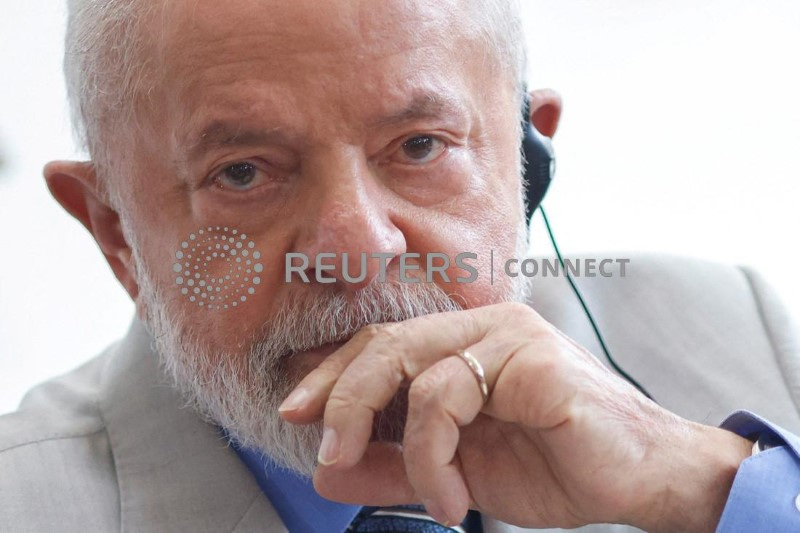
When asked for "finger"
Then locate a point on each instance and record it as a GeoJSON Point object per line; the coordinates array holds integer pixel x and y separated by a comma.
{"type": "Point", "coordinates": [379, 479]}
{"type": "Point", "coordinates": [306, 403]}
{"type": "Point", "coordinates": [538, 387]}
{"type": "Point", "coordinates": [396, 354]}
{"type": "Point", "coordinates": [301, 407]}
{"type": "Point", "coordinates": [410, 335]}
{"type": "Point", "coordinates": [441, 400]}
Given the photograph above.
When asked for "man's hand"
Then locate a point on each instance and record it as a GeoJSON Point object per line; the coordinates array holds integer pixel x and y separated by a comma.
{"type": "Point", "coordinates": [561, 442]}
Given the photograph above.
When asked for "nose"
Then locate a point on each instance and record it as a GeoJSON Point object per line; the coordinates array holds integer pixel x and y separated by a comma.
{"type": "Point", "coordinates": [350, 223]}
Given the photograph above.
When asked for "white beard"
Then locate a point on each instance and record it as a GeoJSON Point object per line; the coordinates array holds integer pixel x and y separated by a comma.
{"type": "Point", "coordinates": [244, 398]}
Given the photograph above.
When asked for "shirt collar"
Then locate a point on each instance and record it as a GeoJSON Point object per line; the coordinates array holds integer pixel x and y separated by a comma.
{"type": "Point", "coordinates": [293, 496]}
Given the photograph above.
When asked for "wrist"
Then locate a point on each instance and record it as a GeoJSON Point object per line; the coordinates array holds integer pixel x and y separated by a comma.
{"type": "Point", "coordinates": [695, 481]}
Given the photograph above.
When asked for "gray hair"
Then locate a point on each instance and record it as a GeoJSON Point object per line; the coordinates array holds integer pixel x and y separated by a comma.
{"type": "Point", "coordinates": [106, 74]}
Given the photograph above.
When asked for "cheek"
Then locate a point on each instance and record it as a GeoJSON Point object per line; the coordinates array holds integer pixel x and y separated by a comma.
{"type": "Point", "coordinates": [489, 244]}
{"type": "Point", "coordinates": [217, 268]}
{"type": "Point", "coordinates": [487, 284]}
{"type": "Point", "coordinates": [479, 293]}
{"type": "Point", "coordinates": [222, 280]}
{"type": "Point", "coordinates": [437, 186]}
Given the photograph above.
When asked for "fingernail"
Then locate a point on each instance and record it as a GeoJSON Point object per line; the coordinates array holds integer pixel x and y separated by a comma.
{"type": "Point", "coordinates": [436, 512]}
{"type": "Point", "coordinates": [329, 449]}
{"type": "Point", "coordinates": [294, 401]}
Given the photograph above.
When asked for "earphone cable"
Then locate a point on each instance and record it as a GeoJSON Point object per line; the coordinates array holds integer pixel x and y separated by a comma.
{"type": "Point", "coordinates": [588, 313]}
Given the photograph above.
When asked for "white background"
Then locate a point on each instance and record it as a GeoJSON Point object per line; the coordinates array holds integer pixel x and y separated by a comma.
{"type": "Point", "coordinates": [681, 133]}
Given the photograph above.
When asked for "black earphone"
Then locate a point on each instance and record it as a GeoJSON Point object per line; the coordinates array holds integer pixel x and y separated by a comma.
{"type": "Point", "coordinates": [539, 163]}
{"type": "Point", "coordinates": [539, 166]}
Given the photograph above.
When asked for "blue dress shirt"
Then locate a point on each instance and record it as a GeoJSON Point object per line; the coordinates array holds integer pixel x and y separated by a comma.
{"type": "Point", "coordinates": [294, 498]}
{"type": "Point", "coordinates": [765, 496]}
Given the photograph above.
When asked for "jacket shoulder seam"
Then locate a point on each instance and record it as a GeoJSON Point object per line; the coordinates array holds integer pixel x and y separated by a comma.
{"type": "Point", "coordinates": [52, 437]}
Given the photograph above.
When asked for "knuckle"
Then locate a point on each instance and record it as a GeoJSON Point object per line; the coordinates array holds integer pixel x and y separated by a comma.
{"type": "Point", "coordinates": [513, 316]}
{"type": "Point", "coordinates": [368, 332]}
{"type": "Point", "coordinates": [554, 401]}
{"type": "Point", "coordinates": [379, 338]}
{"type": "Point", "coordinates": [338, 400]}
{"type": "Point", "coordinates": [521, 312]}
{"type": "Point", "coordinates": [388, 332]}
{"type": "Point", "coordinates": [386, 367]}
{"type": "Point", "coordinates": [385, 350]}
{"type": "Point", "coordinates": [342, 398]}
{"type": "Point", "coordinates": [425, 387]}
{"type": "Point", "coordinates": [544, 365]}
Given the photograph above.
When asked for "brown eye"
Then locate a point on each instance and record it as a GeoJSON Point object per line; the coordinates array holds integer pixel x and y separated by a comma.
{"type": "Point", "coordinates": [421, 149]}
{"type": "Point", "coordinates": [241, 176]}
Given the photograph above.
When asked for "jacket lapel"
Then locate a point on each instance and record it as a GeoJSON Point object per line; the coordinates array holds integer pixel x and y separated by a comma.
{"type": "Point", "coordinates": [175, 472]}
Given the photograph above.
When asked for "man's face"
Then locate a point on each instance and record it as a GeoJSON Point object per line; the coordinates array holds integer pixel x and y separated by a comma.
{"type": "Point", "coordinates": [319, 127]}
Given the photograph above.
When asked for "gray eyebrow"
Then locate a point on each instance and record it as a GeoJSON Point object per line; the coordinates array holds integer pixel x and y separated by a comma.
{"type": "Point", "coordinates": [221, 133]}
{"type": "Point", "coordinates": [422, 106]}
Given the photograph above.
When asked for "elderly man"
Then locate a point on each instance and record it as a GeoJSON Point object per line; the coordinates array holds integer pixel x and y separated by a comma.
{"type": "Point", "coordinates": [226, 135]}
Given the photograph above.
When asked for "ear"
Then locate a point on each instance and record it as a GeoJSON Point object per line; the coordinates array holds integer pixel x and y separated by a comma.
{"type": "Point", "coordinates": [545, 111]}
{"type": "Point", "coordinates": [74, 185]}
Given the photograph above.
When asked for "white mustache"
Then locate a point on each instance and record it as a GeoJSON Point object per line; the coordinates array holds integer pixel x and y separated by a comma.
{"type": "Point", "coordinates": [317, 318]}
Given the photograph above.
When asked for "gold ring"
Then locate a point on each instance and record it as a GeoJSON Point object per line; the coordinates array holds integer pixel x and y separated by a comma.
{"type": "Point", "coordinates": [477, 371]}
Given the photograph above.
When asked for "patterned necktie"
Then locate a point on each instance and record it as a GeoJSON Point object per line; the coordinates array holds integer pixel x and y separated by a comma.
{"type": "Point", "coordinates": [408, 519]}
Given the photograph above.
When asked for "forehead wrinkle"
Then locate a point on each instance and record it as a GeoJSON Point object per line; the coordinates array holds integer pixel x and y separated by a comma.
{"type": "Point", "coordinates": [259, 42]}
{"type": "Point", "coordinates": [353, 29]}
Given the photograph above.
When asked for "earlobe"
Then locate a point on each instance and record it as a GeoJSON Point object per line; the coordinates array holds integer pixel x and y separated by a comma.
{"type": "Point", "coordinates": [74, 185]}
{"type": "Point", "coordinates": [545, 111]}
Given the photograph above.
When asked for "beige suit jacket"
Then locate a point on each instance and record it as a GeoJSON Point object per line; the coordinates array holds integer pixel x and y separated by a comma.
{"type": "Point", "coordinates": [109, 447]}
